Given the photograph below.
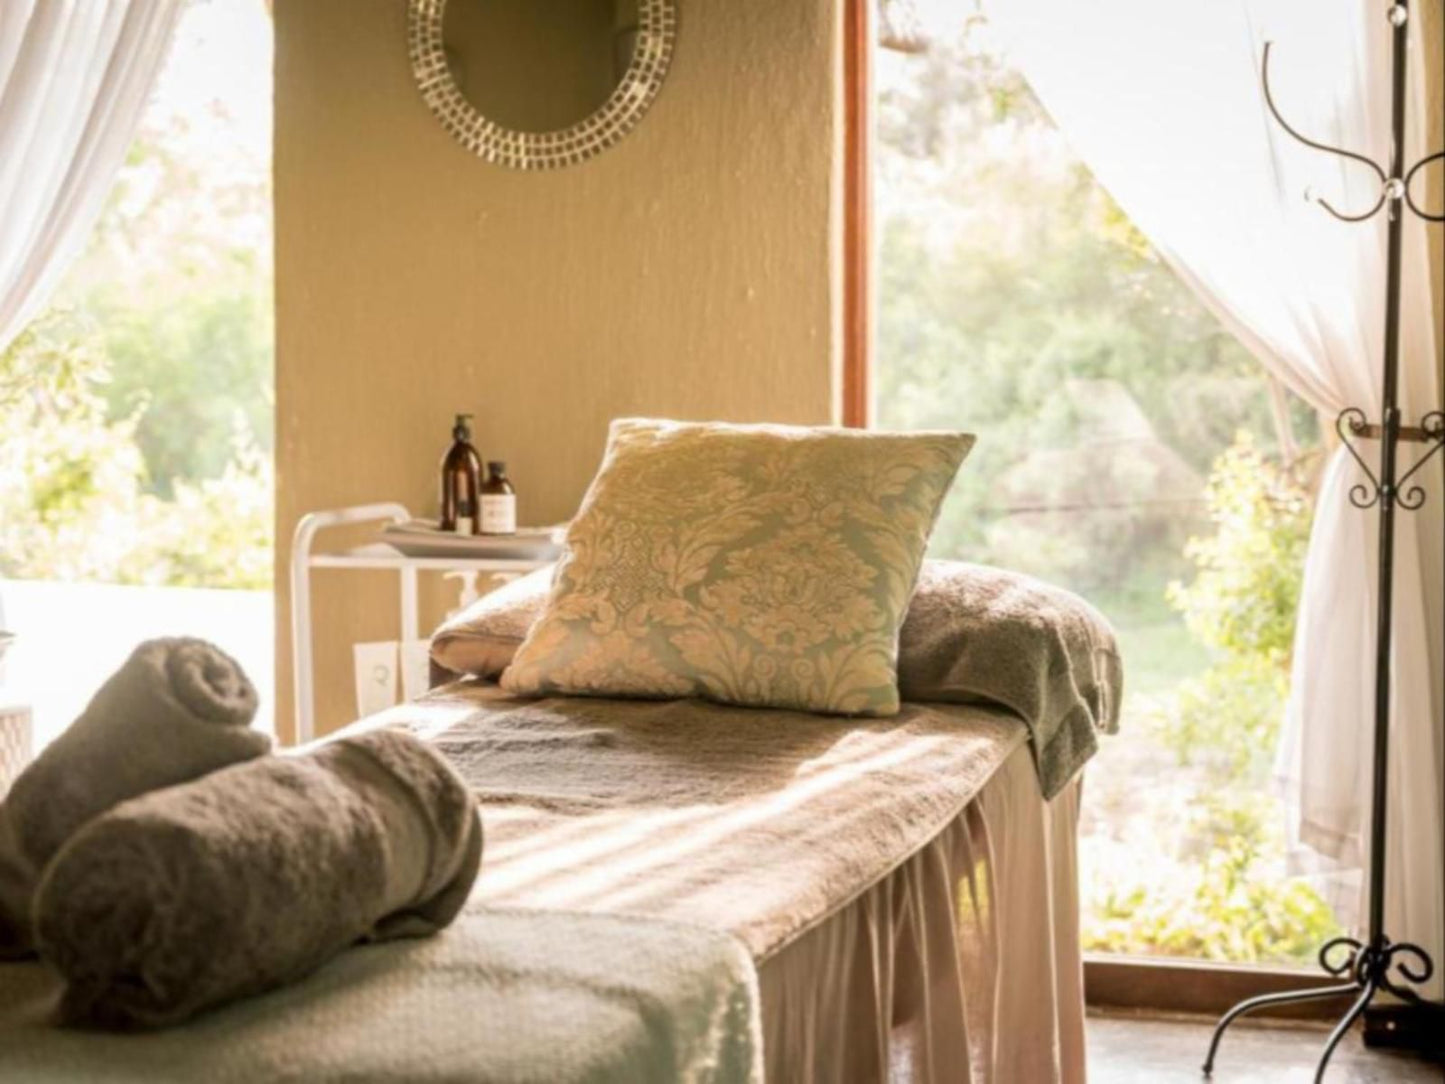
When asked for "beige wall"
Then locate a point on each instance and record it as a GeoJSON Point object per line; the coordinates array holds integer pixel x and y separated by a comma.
{"type": "Point", "coordinates": [685, 272]}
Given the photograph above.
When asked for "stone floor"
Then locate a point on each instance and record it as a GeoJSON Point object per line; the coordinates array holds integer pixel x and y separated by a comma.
{"type": "Point", "coordinates": [1126, 1049]}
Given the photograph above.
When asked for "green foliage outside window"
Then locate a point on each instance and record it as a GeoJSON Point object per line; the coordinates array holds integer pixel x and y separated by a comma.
{"type": "Point", "coordinates": [1246, 590]}
{"type": "Point", "coordinates": [77, 500]}
{"type": "Point", "coordinates": [137, 412]}
{"type": "Point", "coordinates": [1222, 728]}
{"type": "Point", "coordinates": [1219, 908]}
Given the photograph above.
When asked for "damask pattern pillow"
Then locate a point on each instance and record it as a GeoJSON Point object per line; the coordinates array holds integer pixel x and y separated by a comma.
{"type": "Point", "coordinates": [749, 564]}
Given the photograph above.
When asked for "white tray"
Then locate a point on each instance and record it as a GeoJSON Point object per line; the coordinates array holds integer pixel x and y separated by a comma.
{"type": "Point", "coordinates": [422, 538]}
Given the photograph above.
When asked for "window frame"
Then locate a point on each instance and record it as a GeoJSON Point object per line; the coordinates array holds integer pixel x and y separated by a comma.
{"type": "Point", "coordinates": [857, 247]}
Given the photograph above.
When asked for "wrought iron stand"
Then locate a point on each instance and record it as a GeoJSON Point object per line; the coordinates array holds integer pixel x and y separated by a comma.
{"type": "Point", "coordinates": [1367, 967]}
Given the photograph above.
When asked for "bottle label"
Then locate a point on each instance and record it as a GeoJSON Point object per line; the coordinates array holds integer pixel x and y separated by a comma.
{"type": "Point", "coordinates": [464, 516]}
{"type": "Point", "coordinates": [499, 513]}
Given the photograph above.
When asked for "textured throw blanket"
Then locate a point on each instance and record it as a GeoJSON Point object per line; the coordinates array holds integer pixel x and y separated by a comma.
{"type": "Point", "coordinates": [758, 822]}
{"type": "Point", "coordinates": [498, 998]}
{"type": "Point", "coordinates": [176, 710]}
{"type": "Point", "coordinates": [976, 633]}
{"type": "Point", "coordinates": [252, 877]}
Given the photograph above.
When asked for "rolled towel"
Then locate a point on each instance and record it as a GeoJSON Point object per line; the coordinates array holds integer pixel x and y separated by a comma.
{"type": "Point", "coordinates": [193, 896]}
{"type": "Point", "coordinates": [177, 709]}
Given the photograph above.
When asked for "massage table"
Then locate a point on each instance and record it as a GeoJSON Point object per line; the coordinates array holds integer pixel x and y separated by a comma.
{"type": "Point", "coordinates": [682, 890]}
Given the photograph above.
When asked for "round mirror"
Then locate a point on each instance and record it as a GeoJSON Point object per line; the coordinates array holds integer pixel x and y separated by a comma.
{"type": "Point", "coordinates": [539, 85]}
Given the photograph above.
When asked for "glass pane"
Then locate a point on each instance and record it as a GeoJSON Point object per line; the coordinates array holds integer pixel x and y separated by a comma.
{"type": "Point", "coordinates": [1130, 450]}
{"type": "Point", "coordinates": [136, 473]}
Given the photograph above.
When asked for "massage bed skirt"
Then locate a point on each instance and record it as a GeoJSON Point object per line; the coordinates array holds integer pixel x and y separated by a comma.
{"type": "Point", "coordinates": [908, 897]}
{"type": "Point", "coordinates": [963, 964]}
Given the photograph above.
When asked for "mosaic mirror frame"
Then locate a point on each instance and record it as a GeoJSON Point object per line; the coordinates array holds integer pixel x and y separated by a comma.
{"type": "Point", "coordinates": [493, 142]}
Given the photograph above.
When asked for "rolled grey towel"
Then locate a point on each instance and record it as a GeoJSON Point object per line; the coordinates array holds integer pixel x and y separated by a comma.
{"type": "Point", "coordinates": [175, 710]}
{"type": "Point", "coordinates": [193, 896]}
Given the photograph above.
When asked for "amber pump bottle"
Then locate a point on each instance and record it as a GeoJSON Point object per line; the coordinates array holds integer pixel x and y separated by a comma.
{"type": "Point", "coordinates": [462, 482]}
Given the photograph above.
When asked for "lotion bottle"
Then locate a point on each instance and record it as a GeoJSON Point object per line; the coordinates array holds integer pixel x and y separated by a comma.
{"type": "Point", "coordinates": [499, 501]}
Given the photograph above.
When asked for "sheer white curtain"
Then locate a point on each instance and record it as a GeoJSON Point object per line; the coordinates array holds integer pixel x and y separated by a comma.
{"type": "Point", "coordinates": [74, 77]}
{"type": "Point", "coordinates": [1163, 102]}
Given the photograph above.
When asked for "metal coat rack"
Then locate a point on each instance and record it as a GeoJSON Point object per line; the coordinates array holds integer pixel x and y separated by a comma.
{"type": "Point", "coordinates": [1377, 963]}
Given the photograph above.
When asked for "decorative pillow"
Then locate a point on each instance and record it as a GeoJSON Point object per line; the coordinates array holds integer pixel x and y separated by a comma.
{"type": "Point", "coordinates": [761, 565]}
{"type": "Point", "coordinates": [484, 637]}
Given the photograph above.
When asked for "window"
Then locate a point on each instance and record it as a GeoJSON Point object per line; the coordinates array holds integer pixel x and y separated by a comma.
{"type": "Point", "coordinates": [1129, 449]}
{"type": "Point", "coordinates": [138, 491]}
